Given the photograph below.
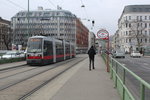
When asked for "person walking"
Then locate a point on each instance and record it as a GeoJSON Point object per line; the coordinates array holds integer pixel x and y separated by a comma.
{"type": "Point", "coordinates": [91, 53]}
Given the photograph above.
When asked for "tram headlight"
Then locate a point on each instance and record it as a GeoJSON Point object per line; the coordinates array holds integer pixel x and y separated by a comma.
{"type": "Point", "coordinates": [39, 55]}
{"type": "Point", "coordinates": [28, 55]}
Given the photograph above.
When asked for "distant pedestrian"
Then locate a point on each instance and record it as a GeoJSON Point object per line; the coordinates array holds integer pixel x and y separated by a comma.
{"type": "Point", "coordinates": [91, 53]}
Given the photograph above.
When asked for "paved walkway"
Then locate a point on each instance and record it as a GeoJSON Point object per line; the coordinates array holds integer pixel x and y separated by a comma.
{"type": "Point", "coordinates": [81, 84]}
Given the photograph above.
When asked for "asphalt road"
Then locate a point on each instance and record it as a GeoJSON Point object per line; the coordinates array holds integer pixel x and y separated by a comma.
{"type": "Point", "coordinates": [141, 67]}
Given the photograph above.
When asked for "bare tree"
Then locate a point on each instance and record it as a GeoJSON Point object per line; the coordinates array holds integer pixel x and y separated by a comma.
{"type": "Point", "coordinates": [5, 35]}
{"type": "Point", "coordinates": [136, 31]}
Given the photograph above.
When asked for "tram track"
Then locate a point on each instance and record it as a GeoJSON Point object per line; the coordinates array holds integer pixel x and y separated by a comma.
{"type": "Point", "coordinates": [8, 81]}
{"type": "Point", "coordinates": [32, 86]}
{"type": "Point", "coordinates": [12, 68]}
{"type": "Point", "coordinates": [48, 81]}
{"type": "Point", "coordinates": [15, 72]}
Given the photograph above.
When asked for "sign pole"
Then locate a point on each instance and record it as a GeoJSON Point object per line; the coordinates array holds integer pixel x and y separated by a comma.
{"type": "Point", "coordinates": [103, 34]}
{"type": "Point", "coordinates": [107, 62]}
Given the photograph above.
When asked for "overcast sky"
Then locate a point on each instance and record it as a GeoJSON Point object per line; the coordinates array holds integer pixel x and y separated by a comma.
{"type": "Point", "coordinates": [105, 13]}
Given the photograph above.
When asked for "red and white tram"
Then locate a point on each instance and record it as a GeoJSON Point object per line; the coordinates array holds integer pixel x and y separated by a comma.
{"type": "Point", "coordinates": [43, 50]}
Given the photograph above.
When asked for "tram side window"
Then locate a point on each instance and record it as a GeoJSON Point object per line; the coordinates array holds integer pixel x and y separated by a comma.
{"type": "Point", "coordinates": [67, 49]}
{"type": "Point", "coordinates": [48, 50]}
{"type": "Point", "coordinates": [72, 49]}
{"type": "Point", "coordinates": [59, 48]}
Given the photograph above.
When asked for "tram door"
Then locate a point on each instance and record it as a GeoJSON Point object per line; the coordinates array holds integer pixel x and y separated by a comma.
{"type": "Point", "coordinates": [48, 51]}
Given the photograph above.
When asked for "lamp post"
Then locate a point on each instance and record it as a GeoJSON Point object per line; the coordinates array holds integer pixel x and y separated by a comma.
{"type": "Point", "coordinates": [28, 21]}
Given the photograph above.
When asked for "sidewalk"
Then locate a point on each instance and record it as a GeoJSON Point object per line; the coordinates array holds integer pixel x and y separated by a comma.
{"type": "Point", "coordinates": [79, 83]}
{"type": "Point", "coordinates": [89, 85]}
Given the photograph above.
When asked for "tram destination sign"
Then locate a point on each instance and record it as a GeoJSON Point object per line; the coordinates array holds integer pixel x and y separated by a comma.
{"type": "Point", "coordinates": [103, 34]}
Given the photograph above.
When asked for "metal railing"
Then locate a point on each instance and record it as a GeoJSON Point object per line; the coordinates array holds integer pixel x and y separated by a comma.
{"type": "Point", "coordinates": [129, 85]}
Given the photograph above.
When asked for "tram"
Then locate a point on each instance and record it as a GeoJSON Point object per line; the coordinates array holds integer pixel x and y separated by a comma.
{"type": "Point", "coordinates": [42, 50]}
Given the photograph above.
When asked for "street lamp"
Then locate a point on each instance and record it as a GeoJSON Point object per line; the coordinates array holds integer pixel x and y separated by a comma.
{"type": "Point", "coordinates": [82, 5]}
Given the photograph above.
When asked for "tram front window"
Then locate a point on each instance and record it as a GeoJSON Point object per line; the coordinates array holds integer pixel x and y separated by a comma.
{"type": "Point", "coordinates": [34, 45]}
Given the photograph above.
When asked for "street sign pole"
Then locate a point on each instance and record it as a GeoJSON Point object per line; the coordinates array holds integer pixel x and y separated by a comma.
{"type": "Point", "coordinates": [104, 35]}
{"type": "Point", "coordinates": [107, 62]}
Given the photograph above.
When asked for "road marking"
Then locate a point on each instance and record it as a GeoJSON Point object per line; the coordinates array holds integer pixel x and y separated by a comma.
{"type": "Point", "coordinates": [145, 64]}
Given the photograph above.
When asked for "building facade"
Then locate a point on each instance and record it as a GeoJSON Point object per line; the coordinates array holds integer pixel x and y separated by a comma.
{"type": "Point", "coordinates": [5, 34]}
{"type": "Point", "coordinates": [92, 38]}
{"type": "Point", "coordinates": [60, 24]}
{"type": "Point", "coordinates": [82, 34]}
{"type": "Point", "coordinates": [133, 28]}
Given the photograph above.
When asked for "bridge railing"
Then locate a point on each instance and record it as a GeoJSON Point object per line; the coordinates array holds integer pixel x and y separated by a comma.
{"type": "Point", "coordinates": [129, 85]}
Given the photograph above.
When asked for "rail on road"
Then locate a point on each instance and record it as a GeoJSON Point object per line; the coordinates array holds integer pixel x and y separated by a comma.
{"type": "Point", "coordinates": [129, 85]}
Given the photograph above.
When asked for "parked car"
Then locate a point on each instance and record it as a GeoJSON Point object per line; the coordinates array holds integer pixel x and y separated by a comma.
{"type": "Point", "coordinates": [13, 54]}
{"type": "Point", "coordinates": [118, 54]}
{"type": "Point", "coordinates": [135, 54]}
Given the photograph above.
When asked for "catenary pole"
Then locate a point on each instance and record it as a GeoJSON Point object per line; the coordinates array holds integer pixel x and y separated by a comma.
{"type": "Point", "coordinates": [28, 21]}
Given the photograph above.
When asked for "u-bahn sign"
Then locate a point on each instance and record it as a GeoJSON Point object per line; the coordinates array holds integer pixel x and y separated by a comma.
{"type": "Point", "coordinates": [103, 34]}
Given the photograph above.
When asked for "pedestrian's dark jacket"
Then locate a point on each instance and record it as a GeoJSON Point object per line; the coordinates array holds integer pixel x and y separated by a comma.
{"type": "Point", "coordinates": [91, 53]}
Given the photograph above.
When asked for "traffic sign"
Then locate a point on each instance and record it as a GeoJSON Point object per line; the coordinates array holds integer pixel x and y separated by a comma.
{"type": "Point", "coordinates": [103, 34]}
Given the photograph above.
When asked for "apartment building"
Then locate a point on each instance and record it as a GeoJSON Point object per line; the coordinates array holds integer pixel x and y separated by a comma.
{"type": "Point", "coordinates": [133, 28]}
{"type": "Point", "coordinates": [60, 24]}
{"type": "Point", "coordinates": [82, 34]}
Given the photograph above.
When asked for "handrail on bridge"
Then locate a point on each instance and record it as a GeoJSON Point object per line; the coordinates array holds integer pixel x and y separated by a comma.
{"type": "Point", "coordinates": [120, 81]}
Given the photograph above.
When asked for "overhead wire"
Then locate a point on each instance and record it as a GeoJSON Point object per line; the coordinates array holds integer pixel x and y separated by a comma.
{"type": "Point", "coordinates": [15, 4]}
{"type": "Point", "coordinates": [52, 3]}
{"type": "Point", "coordinates": [83, 6]}
{"type": "Point", "coordinates": [81, 2]}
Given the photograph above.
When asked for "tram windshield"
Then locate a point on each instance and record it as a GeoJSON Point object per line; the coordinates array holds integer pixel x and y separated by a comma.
{"type": "Point", "coordinates": [34, 45]}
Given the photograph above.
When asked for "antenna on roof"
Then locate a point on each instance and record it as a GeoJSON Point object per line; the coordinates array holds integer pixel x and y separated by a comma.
{"type": "Point", "coordinates": [58, 7]}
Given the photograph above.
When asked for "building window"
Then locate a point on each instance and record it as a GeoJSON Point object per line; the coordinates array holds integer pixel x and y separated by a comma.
{"type": "Point", "coordinates": [140, 9]}
{"type": "Point", "coordinates": [126, 33]}
{"type": "Point", "coordinates": [145, 40]}
{"type": "Point", "coordinates": [141, 40]}
{"type": "Point", "coordinates": [145, 25]}
{"type": "Point", "coordinates": [140, 17]}
{"type": "Point", "coordinates": [141, 24]}
{"type": "Point", "coordinates": [134, 9]}
{"type": "Point", "coordinates": [130, 40]}
{"type": "Point", "coordinates": [141, 31]}
{"type": "Point", "coordinates": [129, 17]}
{"type": "Point", "coordinates": [137, 17]}
{"type": "Point", "coordinates": [145, 17]}
{"type": "Point", "coordinates": [145, 32]}
{"type": "Point", "coordinates": [126, 25]}
{"type": "Point", "coordinates": [138, 24]}
{"type": "Point", "coordinates": [130, 25]}
{"type": "Point", "coordinates": [129, 32]}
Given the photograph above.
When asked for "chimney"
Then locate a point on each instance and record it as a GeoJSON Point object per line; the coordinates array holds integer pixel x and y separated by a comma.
{"type": "Point", "coordinates": [40, 8]}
